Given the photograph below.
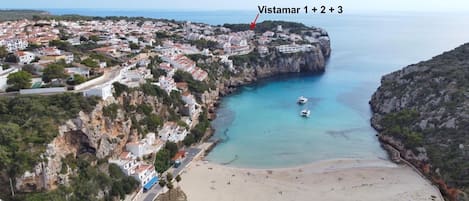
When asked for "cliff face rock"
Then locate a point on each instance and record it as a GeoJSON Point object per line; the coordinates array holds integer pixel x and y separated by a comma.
{"type": "Point", "coordinates": [313, 61]}
{"type": "Point", "coordinates": [90, 133]}
{"type": "Point", "coordinates": [423, 111]}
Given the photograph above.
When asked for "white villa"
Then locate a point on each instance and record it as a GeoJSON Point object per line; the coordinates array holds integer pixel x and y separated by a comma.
{"type": "Point", "coordinates": [146, 146]}
{"type": "Point", "coordinates": [172, 132]}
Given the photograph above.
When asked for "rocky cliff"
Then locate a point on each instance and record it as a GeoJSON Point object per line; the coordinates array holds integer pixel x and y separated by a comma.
{"type": "Point", "coordinates": [423, 112]}
{"type": "Point", "coordinates": [91, 133]}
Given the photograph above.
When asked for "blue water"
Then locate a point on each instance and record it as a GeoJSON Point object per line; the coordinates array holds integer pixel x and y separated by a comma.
{"type": "Point", "coordinates": [261, 124]}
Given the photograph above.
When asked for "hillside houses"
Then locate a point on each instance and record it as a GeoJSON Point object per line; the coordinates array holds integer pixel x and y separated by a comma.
{"type": "Point", "coordinates": [181, 62]}
{"type": "Point", "coordinates": [142, 172]}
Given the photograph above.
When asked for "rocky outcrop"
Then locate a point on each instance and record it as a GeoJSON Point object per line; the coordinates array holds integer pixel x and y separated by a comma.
{"type": "Point", "coordinates": [90, 133]}
{"type": "Point", "coordinates": [423, 112]}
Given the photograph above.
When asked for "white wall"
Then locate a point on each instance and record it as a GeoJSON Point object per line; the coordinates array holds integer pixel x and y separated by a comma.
{"type": "Point", "coordinates": [104, 91]}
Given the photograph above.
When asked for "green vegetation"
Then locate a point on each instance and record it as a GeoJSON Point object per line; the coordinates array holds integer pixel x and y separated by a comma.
{"type": "Point", "coordinates": [77, 79]}
{"type": "Point", "coordinates": [134, 46]}
{"type": "Point", "coordinates": [53, 71]}
{"type": "Point", "coordinates": [154, 67]}
{"type": "Point", "coordinates": [3, 52]}
{"type": "Point", "coordinates": [104, 58]}
{"type": "Point", "coordinates": [204, 44]}
{"type": "Point", "coordinates": [111, 111]}
{"type": "Point", "coordinates": [90, 63]}
{"type": "Point", "coordinates": [162, 161]}
{"type": "Point", "coordinates": [11, 58]}
{"type": "Point", "coordinates": [196, 57]}
{"type": "Point", "coordinates": [252, 58]}
{"type": "Point", "coordinates": [153, 122]}
{"type": "Point", "coordinates": [60, 44]}
{"type": "Point", "coordinates": [268, 25]}
{"type": "Point", "coordinates": [19, 80]}
{"type": "Point", "coordinates": [145, 109]}
{"type": "Point", "coordinates": [94, 38]}
{"type": "Point", "coordinates": [28, 123]}
{"type": "Point", "coordinates": [119, 89]}
{"type": "Point", "coordinates": [10, 15]}
{"type": "Point", "coordinates": [194, 85]}
{"type": "Point", "coordinates": [399, 124]}
{"type": "Point", "coordinates": [89, 182]}
{"type": "Point", "coordinates": [29, 68]}
{"type": "Point", "coordinates": [163, 157]}
{"type": "Point", "coordinates": [200, 129]}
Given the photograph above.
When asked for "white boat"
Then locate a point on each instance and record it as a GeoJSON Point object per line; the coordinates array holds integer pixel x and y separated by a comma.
{"type": "Point", "coordinates": [305, 113]}
{"type": "Point", "coordinates": [302, 100]}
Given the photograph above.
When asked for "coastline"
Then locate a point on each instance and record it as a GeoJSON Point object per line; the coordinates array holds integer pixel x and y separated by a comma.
{"type": "Point", "coordinates": [338, 179]}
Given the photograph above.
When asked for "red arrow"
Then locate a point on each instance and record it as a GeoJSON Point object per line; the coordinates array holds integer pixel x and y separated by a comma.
{"type": "Point", "coordinates": [253, 23]}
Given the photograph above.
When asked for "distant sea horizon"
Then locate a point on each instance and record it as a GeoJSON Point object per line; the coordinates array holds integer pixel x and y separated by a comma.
{"type": "Point", "coordinates": [261, 126]}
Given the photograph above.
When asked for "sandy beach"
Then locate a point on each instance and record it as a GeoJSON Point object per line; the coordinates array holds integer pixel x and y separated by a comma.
{"type": "Point", "coordinates": [335, 180]}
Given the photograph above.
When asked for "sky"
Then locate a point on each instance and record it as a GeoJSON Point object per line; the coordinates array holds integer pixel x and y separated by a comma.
{"type": "Point", "coordinates": [448, 6]}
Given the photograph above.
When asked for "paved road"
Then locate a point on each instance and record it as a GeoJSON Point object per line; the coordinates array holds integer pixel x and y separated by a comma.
{"type": "Point", "coordinates": [109, 75]}
{"type": "Point", "coordinates": [151, 194]}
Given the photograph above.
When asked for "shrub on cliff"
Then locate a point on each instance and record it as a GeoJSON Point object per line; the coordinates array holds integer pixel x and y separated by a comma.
{"type": "Point", "coordinates": [119, 88]}
{"type": "Point", "coordinates": [194, 85]}
{"type": "Point", "coordinates": [111, 111]}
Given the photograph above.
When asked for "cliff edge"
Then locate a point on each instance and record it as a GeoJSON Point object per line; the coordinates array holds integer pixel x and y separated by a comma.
{"type": "Point", "coordinates": [422, 111]}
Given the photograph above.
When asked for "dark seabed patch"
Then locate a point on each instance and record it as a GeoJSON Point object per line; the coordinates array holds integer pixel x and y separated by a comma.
{"type": "Point", "coordinates": [344, 133]}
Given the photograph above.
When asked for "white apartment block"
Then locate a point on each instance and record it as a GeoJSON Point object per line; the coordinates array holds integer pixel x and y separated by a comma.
{"type": "Point", "coordinates": [146, 146]}
{"type": "Point", "coordinates": [172, 132]}
{"type": "Point", "coordinates": [294, 48]}
{"type": "Point", "coordinates": [13, 45]}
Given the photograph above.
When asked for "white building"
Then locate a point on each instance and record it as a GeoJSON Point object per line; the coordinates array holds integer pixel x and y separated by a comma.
{"type": "Point", "coordinates": [127, 163]}
{"type": "Point", "coordinates": [191, 103]}
{"type": "Point", "coordinates": [69, 58]}
{"type": "Point", "coordinates": [144, 173]}
{"type": "Point", "coordinates": [144, 147]}
{"type": "Point", "coordinates": [103, 91]}
{"type": "Point", "coordinates": [25, 57]}
{"type": "Point", "coordinates": [85, 72]}
{"type": "Point", "coordinates": [263, 50]}
{"type": "Point", "coordinates": [293, 48]}
{"type": "Point", "coordinates": [172, 132]}
{"type": "Point", "coordinates": [14, 45]}
{"type": "Point", "coordinates": [4, 77]}
{"type": "Point", "coordinates": [167, 84]}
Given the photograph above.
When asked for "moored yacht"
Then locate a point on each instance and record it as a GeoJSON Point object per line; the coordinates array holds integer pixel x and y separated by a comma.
{"type": "Point", "coordinates": [305, 113]}
{"type": "Point", "coordinates": [302, 100]}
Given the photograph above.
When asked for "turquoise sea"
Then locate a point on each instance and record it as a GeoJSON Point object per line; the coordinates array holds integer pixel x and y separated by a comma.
{"type": "Point", "coordinates": [260, 124]}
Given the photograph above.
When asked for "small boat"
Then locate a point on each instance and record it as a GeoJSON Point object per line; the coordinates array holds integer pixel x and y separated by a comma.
{"type": "Point", "coordinates": [305, 113]}
{"type": "Point", "coordinates": [302, 100]}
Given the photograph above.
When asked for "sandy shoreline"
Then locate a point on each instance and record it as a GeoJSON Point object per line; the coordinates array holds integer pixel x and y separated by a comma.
{"type": "Point", "coordinates": [346, 179]}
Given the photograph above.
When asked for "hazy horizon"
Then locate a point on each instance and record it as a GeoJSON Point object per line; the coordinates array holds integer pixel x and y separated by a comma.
{"type": "Point", "coordinates": [350, 6]}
